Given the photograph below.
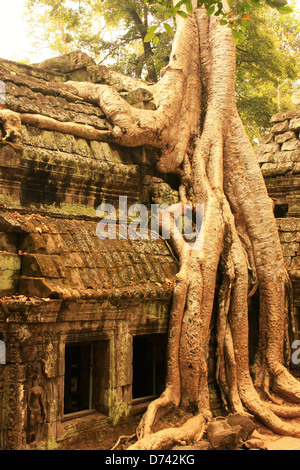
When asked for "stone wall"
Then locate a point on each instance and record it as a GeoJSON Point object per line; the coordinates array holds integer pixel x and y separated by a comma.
{"type": "Point", "coordinates": [61, 286]}
{"type": "Point", "coordinates": [279, 157]}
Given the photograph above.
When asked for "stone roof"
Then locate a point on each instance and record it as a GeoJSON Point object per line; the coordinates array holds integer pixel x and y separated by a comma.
{"type": "Point", "coordinates": [48, 257]}
{"type": "Point", "coordinates": [51, 183]}
{"type": "Point", "coordinates": [51, 166]}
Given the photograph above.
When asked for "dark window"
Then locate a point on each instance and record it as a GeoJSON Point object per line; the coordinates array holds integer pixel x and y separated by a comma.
{"type": "Point", "coordinates": [280, 211]}
{"type": "Point", "coordinates": [78, 377]}
{"type": "Point", "coordinates": [149, 365]}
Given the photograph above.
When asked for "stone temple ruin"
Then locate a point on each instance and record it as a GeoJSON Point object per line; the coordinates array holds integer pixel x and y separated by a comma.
{"type": "Point", "coordinates": [84, 321]}
{"type": "Point", "coordinates": [279, 157]}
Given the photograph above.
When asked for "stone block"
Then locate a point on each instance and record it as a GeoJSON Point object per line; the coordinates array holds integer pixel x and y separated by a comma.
{"type": "Point", "coordinates": [282, 116]}
{"type": "Point", "coordinates": [280, 138]}
{"type": "Point", "coordinates": [288, 225]}
{"type": "Point", "coordinates": [283, 157]}
{"type": "Point", "coordinates": [8, 242]}
{"type": "Point", "coordinates": [267, 139]}
{"type": "Point", "coordinates": [288, 237]}
{"type": "Point", "coordinates": [35, 287]}
{"type": "Point", "coordinates": [74, 276]}
{"type": "Point", "coordinates": [254, 444]}
{"type": "Point", "coordinates": [276, 169]}
{"type": "Point", "coordinates": [265, 157]}
{"type": "Point", "coordinates": [290, 249]}
{"type": "Point", "coordinates": [32, 243]}
{"type": "Point", "coordinates": [38, 265]}
{"type": "Point", "coordinates": [296, 169]}
{"type": "Point", "coordinates": [9, 282]}
{"type": "Point", "coordinates": [97, 150]}
{"type": "Point", "coordinates": [295, 262]}
{"type": "Point", "coordinates": [280, 127]}
{"type": "Point", "coordinates": [9, 156]}
{"type": "Point", "coordinates": [10, 262]}
{"type": "Point", "coordinates": [64, 142]}
{"type": "Point", "coordinates": [82, 148]}
{"type": "Point", "coordinates": [295, 124]}
{"type": "Point", "coordinates": [291, 145]}
{"type": "Point", "coordinates": [221, 436]}
{"type": "Point", "coordinates": [244, 422]}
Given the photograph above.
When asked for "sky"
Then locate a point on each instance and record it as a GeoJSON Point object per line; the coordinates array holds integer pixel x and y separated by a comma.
{"type": "Point", "coordinates": [15, 43]}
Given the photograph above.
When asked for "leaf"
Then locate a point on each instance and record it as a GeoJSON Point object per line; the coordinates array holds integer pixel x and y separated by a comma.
{"type": "Point", "coordinates": [182, 14]}
{"type": "Point", "coordinates": [151, 29]}
{"type": "Point", "coordinates": [285, 10]}
{"type": "Point", "coordinates": [276, 3]}
{"type": "Point", "coordinates": [210, 10]}
{"type": "Point", "coordinates": [155, 40]}
{"type": "Point", "coordinates": [189, 8]}
{"type": "Point", "coordinates": [237, 35]}
{"type": "Point", "coordinates": [169, 29]}
{"type": "Point", "coordinates": [246, 17]}
{"type": "Point", "coordinates": [149, 37]}
{"type": "Point", "coordinates": [178, 4]}
{"type": "Point", "coordinates": [223, 22]}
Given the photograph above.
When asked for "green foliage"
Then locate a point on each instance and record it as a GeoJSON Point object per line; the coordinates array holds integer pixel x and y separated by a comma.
{"type": "Point", "coordinates": [237, 18]}
{"type": "Point", "coordinates": [267, 67]}
{"type": "Point", "coordinates": [63, 26]}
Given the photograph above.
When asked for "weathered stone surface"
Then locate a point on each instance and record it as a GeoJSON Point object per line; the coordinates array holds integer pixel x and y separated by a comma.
{"type": "Point", "coordinates": [276, 169]}
{"type": "Point", "coordinates": [295, 124]}
{"type": "Point", "coordinates": [254, 444]}
{"type": "Point", "coordinates": [244, 422]}
{"type": "Point", "coordinates": [282, 157]}
{"type": "Point", "coordinates": [265, 157]}
{"type": "Point", "coordinates": [280, 138]}
{"type": "Point", "coordinates": [267, 139]}
{"type": "Point", "coordinates": [269, 148]}
{"type": "Point", "coordinates": [72, 258]}
{"type": "Point", "coordinates": [282, 116]}
{"type": "Point", "coordinates": [221, 436]}
{"type": "Point", "coordinates": [67, 62]}
{"type": "Point", "coordinates": [280, 127]}
{"type": "Point", "coordinates": [291, 145]}
{"type": "Point", "coordinates": [10, 267]}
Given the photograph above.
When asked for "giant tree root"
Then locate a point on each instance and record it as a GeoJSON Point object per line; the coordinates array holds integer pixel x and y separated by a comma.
{"type": "Point", "coordinates": [190, 432]}
{"type": "Point", "coordinates": [200, 138]}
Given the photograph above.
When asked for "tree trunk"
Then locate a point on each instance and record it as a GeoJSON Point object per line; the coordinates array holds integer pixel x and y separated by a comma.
{"type": "Point", "coordinates": [200, 136]}
{"type": "Point", "coordinates": [148, 53]}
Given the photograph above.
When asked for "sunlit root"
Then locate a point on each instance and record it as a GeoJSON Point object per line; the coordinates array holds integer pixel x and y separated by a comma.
{"type": "Point", "coordinates": [167, 438]}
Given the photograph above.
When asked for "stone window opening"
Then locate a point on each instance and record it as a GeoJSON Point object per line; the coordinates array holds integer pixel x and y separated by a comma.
{"type": "Point", "coordinates": [280, 211]}
{"type": "Point", "coordinates": [79, 377]}
{"type": "Point", "coordinates": [149, 366]}
{"type": "Point", "coordinates": [86, 375]}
